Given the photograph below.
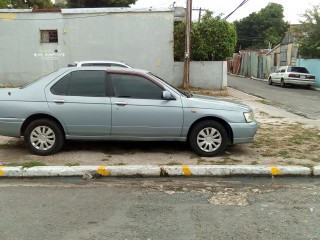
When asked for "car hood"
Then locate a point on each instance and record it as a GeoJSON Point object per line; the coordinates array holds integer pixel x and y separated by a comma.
{"type": "Point", "coordinates": [200, 101]}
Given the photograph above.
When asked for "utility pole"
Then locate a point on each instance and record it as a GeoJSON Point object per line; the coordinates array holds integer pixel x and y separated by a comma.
{"type": "Point", "coordinates": [186, 72]}
{"type": "Point", "coordinates": [200, 12]}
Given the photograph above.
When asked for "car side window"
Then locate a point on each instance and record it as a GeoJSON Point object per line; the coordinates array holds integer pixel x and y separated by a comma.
{"type": "Point", "coordinates": [283, 70]}
{"type": "Point", "coordinates": [61, 87]}
{"type": "Point", "coordinates": [81, 83]}
{"type": "Point", "coordinates": [132, 86]}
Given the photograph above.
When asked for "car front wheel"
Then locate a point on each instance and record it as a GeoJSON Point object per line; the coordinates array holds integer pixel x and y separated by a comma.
{"type": "Point", "coordinates": [282, 83]}
{"type": "Point", "coordinates": [270, 81]}
{"type": "Point", "coordinates": [208, 138]}
{"type": "Point", "coordinates": [44, 137]}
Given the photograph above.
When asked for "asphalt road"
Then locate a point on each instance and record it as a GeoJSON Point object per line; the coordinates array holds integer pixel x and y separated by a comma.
{"type": "Point", "coordinates": [162, 208]}
{"type": "Point", "coordinates": [294, 98]}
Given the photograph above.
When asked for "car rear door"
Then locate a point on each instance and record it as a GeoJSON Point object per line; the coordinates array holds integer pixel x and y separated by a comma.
{"type": "Point", "coordinates": [138, 110]}
{"type": "Point", "coordinates": [79, 99]}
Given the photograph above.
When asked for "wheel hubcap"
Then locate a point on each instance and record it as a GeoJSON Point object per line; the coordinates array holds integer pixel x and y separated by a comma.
{"type": "Point", "coordinates": [42, 138]}
{"type": "Point", "coordinates": [209, 139]}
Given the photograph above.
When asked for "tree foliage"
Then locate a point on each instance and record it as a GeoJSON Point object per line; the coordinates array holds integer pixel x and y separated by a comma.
{"type": "Point", "coordinates": [99, 3]}
{"type": "Point", "coordinates": [45, 4]}
{"type": "Point", "coordinates": [309, 33]}
{"type": "Point", "coordinates": [4, 3]}
{"type": "Point", "coordinates": [212, 39]}
{"type": "Point", "coordinates": [260, 29]}
{"type": "Point", "coordinates": [28, 4]}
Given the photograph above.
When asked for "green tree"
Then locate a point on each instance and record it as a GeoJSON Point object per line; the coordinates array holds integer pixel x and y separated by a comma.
{"type": "Point", "coordinates": [260, 29]}
{"type": "Point", "coordinates": [30, 4]}
{"type": "Point", "coordinates": [4, 3]}
{"type": "Point", "coordinates": [212, 39]}
{"type": "Point", "coordinates": [308, 36]}
{"type": "Point", "coordinates": [99, 3]}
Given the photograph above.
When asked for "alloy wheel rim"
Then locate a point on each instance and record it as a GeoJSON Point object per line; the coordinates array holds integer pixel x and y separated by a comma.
{"type": "Point", "coordinates": [209, 139]}
{"type": "Point", "coordinates": [42, 138]}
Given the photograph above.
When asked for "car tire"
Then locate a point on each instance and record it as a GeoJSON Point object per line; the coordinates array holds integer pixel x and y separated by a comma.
{"type": "Point", "coordinates": [270, 81]}
{"type": "Point", "coordinates": [282, 83]}
{"type": "Point", "coordinates": [208, 138]}
{"type": "Point", "coordinates": [44, 137]}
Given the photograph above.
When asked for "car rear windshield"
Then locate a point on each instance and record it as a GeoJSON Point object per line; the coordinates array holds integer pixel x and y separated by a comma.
{"type": "Point", "coordinates": [298, 69]}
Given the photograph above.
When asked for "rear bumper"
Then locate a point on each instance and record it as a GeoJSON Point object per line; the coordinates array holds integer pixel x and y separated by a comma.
{"type": "Point", "coordinates": [299, 81]}
{"type": "Point", "coordinates": [10, 127]}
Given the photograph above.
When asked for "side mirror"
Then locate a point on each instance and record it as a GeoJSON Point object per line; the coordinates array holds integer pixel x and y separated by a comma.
{"type": "Point", "coordinates": [166, 95]}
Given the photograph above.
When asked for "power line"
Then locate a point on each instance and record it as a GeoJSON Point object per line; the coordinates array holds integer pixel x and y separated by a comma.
{"type": "Point", "coordinates": [241, 4]}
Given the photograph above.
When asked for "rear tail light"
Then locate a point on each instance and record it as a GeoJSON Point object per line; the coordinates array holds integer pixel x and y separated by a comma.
{"type": "Point", "coordinates": [294, 75]}
{"type": "Point", "coordinates": [311, 77]}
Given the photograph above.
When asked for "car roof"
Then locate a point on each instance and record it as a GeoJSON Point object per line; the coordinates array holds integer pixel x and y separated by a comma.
{"type": "Point", "coordinates": [100, 62]}
{"type": "Point", "coordinates": [111, 69]}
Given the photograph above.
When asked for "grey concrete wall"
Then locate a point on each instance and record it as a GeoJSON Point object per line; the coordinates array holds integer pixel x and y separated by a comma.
{"type": "Point", "coordinates": [140, 38]}
{"type": "Point", "coordinates": [212, 75]}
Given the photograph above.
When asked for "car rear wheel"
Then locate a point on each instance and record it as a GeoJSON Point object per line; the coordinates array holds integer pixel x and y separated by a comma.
{"type": "Point", "coordinates": [282, 83]}
{"type": "Point", "coordinates": [208, 138]}
{"type": "Point", "coordinates": [44, 137]}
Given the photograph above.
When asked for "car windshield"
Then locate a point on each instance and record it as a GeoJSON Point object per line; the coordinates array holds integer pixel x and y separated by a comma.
{"type": "Point", "coordinates": [298, 69]}
{"type": "Point", "coordinates": [185, 93]}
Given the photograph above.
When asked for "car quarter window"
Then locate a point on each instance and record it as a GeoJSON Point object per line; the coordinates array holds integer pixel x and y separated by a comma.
{"type": "Point", "coordinates": [133, 86]}
{"type": "Point", "coordinates": [81, 83]}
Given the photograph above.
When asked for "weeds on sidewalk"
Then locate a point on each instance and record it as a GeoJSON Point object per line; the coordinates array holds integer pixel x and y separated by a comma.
{"type": "Point", "coordinates": [26, 164]}
{"type": "Point", "coordinates": [288, 141]}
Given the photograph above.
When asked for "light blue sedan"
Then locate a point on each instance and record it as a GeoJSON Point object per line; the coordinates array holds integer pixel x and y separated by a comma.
{"type": "Point", "coordinates": [99, 103]}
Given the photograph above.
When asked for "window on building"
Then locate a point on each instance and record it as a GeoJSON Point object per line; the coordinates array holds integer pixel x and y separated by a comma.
{"type": "Point", "coordinates": [49, 36]}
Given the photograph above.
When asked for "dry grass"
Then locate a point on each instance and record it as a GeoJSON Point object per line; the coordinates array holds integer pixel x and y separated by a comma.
{"type": "Point", "coordinates": [208, 92]}
{"type": "Point", "coordinates": [288, 141]}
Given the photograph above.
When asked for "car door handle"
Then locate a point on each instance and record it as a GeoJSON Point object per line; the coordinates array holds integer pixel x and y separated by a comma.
{"type": "Point", "coordinates": [121, 103]}
{"type": "Point", "coordinates": [61, 101]}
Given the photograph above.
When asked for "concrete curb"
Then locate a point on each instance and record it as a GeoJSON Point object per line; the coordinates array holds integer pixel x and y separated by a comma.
{"type": "Point", "coordinates": [259, 79]}
{"type": "Point", "coordinates": [158, 171]}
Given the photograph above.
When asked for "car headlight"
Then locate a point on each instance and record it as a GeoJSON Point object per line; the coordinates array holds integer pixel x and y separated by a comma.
{"type": "Point", "coordinates": [249, 116]}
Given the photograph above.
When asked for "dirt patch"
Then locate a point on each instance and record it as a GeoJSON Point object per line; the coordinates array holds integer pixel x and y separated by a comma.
{"type": "Point", "coordinates": [282, 139]}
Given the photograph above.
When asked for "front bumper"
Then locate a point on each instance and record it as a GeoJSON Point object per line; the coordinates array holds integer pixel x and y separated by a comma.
{"type": "Point", "coordinates": [244, 132]}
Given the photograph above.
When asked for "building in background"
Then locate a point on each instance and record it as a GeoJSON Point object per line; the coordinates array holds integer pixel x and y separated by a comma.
{"type": "Point", "coordinates": [34, 42]}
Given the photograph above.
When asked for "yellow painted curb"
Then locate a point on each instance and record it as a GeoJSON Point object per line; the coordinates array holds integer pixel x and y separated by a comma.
{"type": "Point", "coordinates": [186, 170]}
{"type": "Point", "coordinates": [275, 171]}
{"type": "Point", "coordinates": [103, 171]}
{"type": "Point", "coordinates": [1, 171]}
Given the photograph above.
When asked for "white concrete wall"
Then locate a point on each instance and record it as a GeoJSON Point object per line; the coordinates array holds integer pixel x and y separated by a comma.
{"type": "Point", "coordinates": [212, 75]}
{"type": "Point", "coordinates": [140, 38]}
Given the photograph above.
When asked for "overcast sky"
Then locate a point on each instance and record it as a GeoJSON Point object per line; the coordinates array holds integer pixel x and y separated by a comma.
{"type": "Point", "coordinates": [292, 8]}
